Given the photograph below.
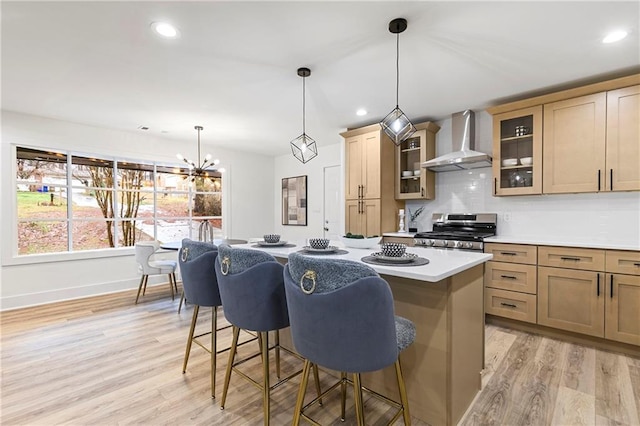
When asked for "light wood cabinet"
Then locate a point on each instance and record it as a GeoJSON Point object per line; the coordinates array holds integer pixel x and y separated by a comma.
{"type": "Point", "coordinates": [420, 147]}
{"type": "Point", "coordinates": [588, 139]}
{"type": "Point", "coordinates": [574, 144]}
{"type": "Point", "coordinates": [623, 140]}
{"type": "Point", "coordinates": [517, 136]}
{"type": "Point", "coordinates": [371, 208]}
{"type": "Point", "coordinates": [510, 281]}
{"type": "Point", "coordinates": [622, 315]}
{"type": "Point", "coordinates": [582, 290]}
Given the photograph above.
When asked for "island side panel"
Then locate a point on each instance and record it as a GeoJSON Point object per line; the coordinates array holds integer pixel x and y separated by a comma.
{"type": "Point", "coordinates": [426, 362]}
{"type": "Point", "coordinates": [466, 318]}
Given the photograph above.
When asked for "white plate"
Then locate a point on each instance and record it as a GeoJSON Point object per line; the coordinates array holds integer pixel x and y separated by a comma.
{"type": "Point", "coordinates": [405, 258]}
{"type": "Point", "coordinates": [329, 249]}
{"type": "Point", "coordinates": [266, 244]}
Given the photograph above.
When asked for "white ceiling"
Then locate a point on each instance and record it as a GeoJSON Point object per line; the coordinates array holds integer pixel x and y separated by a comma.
{"type": "Point", "coordinates": [233, 68]}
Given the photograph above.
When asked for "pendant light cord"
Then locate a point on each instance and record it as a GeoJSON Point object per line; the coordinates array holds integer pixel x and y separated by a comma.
{"type": "Point", "coordinates": [397, 68]}
{"type": "Point", "coordinates": [303, 104]}
{"type": "Point", "coordinates": [198, 148]}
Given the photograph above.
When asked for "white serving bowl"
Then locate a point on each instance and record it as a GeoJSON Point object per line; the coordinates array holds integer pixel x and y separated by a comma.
{"type": "Point", "coordinates": [407, 173]}
{"type": "Point", "coordinates": [509, 162]}
{"type": "Point", "coordinates": [526, 161]}
{"type": "Point", "coordinates": [364, 243]}
{"type": "Point", "coordinates": [416, 172]}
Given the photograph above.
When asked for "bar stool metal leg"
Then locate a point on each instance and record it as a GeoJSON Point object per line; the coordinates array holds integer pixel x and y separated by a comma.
{"type": "Point", "coordinates": [403, 394]}
{"type": "Point", "coordinates": [301, 391]}
{"type": "Point", "coordinates": [266, 400]}
{"type": "Point", "coordinates": [357, 393]}
{"type": "Point", "coordinates": [227, 375]}
{"type": "Point", "coordinates": [140, 287]}
{"type": "Point", "coordinates": [194, 319]}
{"type": "Point", "coordinates": [214, 348]}
{"type": "Point", "coordinates": [343, 391]}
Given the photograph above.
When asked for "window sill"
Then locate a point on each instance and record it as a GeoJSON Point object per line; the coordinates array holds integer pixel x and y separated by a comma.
{"type": "Point", "coordinates": [66, 257]}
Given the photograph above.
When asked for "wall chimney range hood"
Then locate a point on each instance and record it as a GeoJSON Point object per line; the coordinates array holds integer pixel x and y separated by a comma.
{"type": "Point", "coordinates": [463, 156]}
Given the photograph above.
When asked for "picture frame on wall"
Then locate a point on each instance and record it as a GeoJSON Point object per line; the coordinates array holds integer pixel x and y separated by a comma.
{"type": "Point", "coordinates": [294, 201]}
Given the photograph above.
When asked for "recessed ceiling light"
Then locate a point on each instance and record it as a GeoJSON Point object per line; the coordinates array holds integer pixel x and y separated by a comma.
{"type": "Point", "coordinates": [614, 36]}
{"type": "Point", "coordinates": [165, 29]}
{"type": "Point", "coordinates": [361, 112]}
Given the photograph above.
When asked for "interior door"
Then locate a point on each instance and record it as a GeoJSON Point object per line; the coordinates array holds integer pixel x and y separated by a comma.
{"type": "Point", "coordinates": [331, 225]}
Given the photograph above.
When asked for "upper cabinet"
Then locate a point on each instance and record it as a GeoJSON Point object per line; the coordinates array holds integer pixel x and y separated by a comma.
{"type": "Point", "coordinates": [622, 169]}
{"type": "Point", "coordinates": [371, 208]}
{"type": "Point", "coordinates": [517, 152]}
{"type": "Point", "coordinates": [413, 182]}
{"type": "Point", "coordinates": [585, 139]}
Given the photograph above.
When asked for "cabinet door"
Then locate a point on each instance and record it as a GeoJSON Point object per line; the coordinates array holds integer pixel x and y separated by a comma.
{"type": "Point", "coordinates": [571, 300]}
{"type": "Point", "coordinates": [574, 145]}
{"type": "Point", "coordinates": [623, 140]}
{"type": "Point", "coordinates": [353, 211]}
{"type": "Point", "coordinates": [517, 152]}
{"type": "Point", "coordinates": [353, 160]}
{"type": "Point", "coordinates": [371, 218]}
{"type": "Point", "coordinates": [412, 181]}
{"type": "Point", "coordinates": [622, 319]}
{"type": "Point", "coordinates": [371, 164]}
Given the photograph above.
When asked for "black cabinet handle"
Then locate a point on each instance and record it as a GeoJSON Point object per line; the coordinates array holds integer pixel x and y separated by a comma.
{"type": "Point", "coordinates": [508, 253]}
{"type": "Point", "coordinates": [576, 259]}
{"type": "Point", "coordinates": [636, 263]}
{"type": "Point", "coordinates": [495, 186]}
{"type": "Point", "coordinates": [610, 179]}
{"type": "Point", "coordinates": [598, 286]}
{"type": "Point", "coordinates": [511, 305]}
{"type": "Point", "coordinates": [422, 192]}
{"type": "Point", "coordinates": [511, 277]}
{"type": "Point", "coordinates": [598, 180]}
{"type": "Point", "coordinates": [611, 286]}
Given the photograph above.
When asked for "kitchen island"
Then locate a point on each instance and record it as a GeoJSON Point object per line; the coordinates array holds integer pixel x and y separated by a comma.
{"type": "Point", "coordinates": [444, 299]}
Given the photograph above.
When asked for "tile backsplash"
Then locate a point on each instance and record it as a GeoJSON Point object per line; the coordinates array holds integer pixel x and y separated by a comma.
{"type": "Point", "coordinates": [601, 217]}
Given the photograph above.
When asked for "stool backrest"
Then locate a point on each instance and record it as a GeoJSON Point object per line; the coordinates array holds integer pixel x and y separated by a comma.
{"type": "Point", "coordinates": [144, 250]}
{"type": "Point", "coordinates": [251, 288]}
{"type": "Point", "coordinates": [197, 267]}
{"type": "Point", "coordinates": [350, 328]}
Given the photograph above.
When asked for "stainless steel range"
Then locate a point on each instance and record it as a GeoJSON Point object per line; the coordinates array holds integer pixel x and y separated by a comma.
{"type": "Point", "coordinates": [458, 230]}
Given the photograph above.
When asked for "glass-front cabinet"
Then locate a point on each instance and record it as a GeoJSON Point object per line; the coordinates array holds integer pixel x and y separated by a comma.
{"type": "Point", "coordinates": [412, 181]}
{"type": "Point", "coordinates": [517, 152]}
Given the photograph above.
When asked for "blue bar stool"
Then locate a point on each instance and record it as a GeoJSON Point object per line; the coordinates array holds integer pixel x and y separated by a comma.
{"type": "Point", "coordinates": [342, 318]}
{"type": "Point", "coordinates": [252, 292]}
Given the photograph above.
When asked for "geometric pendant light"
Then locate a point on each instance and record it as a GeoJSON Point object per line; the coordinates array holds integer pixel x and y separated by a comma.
{"type": "Point", "coordinates": [304, 147]}
{"type": "Point", "coordinates": [396, 124]}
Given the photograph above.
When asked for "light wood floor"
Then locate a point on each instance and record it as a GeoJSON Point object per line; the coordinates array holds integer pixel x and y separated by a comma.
{"type": "Point", "coordinates": [104, 360]}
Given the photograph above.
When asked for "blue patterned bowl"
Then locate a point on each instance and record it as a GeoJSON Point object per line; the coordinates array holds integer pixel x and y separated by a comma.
{"type": "Point", "coordinates": [393, 249]}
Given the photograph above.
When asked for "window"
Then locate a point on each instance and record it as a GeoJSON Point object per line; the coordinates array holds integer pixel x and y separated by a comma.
{"type": "Point", "coordinates": [69, 202]}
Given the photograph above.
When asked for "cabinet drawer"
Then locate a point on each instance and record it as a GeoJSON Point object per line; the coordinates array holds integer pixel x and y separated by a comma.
{"type": "Point", "coordinates": [510, 304]}
{"type": "Point", "coordinates": [402, 240]}
{"type": "Point", "coordinates": [571, 258]}
{"type": "Point", "coordinates": [623, 262]}
{"type": "Point", "coordinates": [511, 276]}
{"type": "Point", "coordinates": [514, 253]}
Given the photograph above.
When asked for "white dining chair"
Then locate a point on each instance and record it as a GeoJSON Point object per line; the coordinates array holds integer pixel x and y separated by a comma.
{"type": "Point", "coordinates": [144, 252]}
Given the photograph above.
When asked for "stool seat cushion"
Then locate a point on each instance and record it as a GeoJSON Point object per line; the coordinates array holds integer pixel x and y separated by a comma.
{"type": "Point", "coordinates": [163, 266]}
{"type": "Point", "coordinates": [331, 274]}
{"type": "Point", "coordinates": [405, 332]}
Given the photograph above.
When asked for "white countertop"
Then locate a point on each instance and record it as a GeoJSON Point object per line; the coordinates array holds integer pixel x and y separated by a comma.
{"type": "Point", "coordinates": [442, 264]}
{"type": "Point", "coordinates": [585, 242]}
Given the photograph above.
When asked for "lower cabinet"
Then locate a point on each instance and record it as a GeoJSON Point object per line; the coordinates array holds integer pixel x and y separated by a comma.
{"type": "Point", "coordinates": [571, 300]}
{"type": "Point", "coordinates": [363, 217]}
{"type": "Point", "coordinates": [587, 291]}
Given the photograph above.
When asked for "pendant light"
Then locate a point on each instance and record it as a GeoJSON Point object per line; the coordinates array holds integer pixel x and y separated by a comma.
{"type": "Point", "coordinates": [396, 124]}
{"type": "Point", "coordinates": [304, 147]}
{"type": "Point", "coordinates": [200, 169]}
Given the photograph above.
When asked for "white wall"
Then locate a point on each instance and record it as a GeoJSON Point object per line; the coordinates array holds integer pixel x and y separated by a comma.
{"type": "Point", "coordinates": [601, 217]}
{"type": "Point", "coordinates": [29, 280]}
{"type": "Point", "coordinates": [288, 166]}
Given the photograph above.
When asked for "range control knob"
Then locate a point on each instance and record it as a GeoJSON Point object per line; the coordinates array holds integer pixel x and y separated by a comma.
{"type": "Point", "coordinates": [432, 243]}
{"type": "Point", "coordinates": [468, 245]}
{"type": "Point", "coordinates": [445, 243]}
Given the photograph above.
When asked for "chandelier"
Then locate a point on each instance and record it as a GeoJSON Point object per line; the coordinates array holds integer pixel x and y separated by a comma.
{"type": "Point", "coordinates": [396, 124]}
{"type": "Point", "coordinates": [198, 168]}
{"type": "Point", "coordinates": [304, 147]}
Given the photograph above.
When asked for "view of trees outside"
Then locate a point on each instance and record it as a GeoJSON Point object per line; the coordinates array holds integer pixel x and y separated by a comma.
{"type": "Point", "coordinates": [112, 203]}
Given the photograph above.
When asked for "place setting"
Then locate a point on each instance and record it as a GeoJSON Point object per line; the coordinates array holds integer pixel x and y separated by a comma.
{"type": "Point", "coordinates": [272, 240]}
{"type": "Point", "coordinates": [321, 246]}
{"type": "Point", "coordinates": [394, 254]}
